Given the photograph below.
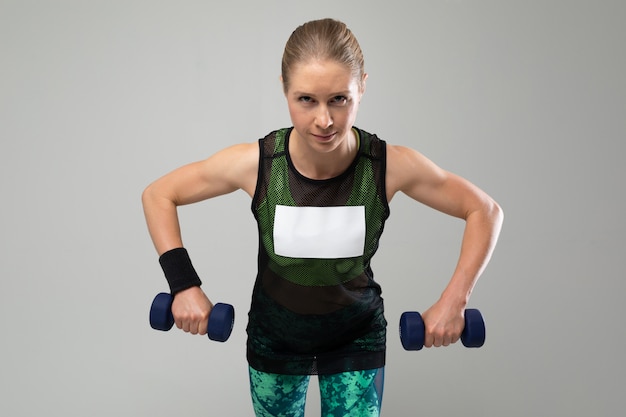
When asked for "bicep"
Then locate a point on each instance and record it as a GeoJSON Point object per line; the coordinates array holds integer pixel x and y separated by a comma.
{"type": "Point", "coordinates": [224, 172]}
{"type": "Point", "coordinates": [422, 180]}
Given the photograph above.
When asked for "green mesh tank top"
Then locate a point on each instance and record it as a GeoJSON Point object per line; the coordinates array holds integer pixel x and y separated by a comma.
{"type": "Point", "coordinates": [316, 308]}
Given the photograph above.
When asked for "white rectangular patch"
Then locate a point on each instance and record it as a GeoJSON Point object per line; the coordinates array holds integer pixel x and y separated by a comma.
{"type": "Point", "coordinates": [319, 232]}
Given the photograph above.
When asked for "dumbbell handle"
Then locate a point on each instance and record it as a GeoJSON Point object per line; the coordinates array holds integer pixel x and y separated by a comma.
{"type": "Point", "coordinates": [412, 330]}
{"type": "Point", "coordinates": [221, 318]}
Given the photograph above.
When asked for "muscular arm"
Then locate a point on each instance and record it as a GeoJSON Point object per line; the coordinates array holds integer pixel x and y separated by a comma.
{"type": "Point", "coordinates": [413, 174]}
{"type": "Point", "coordinates": [228, 170]}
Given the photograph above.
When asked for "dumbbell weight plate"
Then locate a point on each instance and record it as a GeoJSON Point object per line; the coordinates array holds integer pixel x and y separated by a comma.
{"type": "Point", "coordinates": [221, 322]}
{"type": "Point", "coordinates": [412, 330]}
{"type": "Point", "coordinates": [161, 312]}
{"type": "Point", "coordinates": [473, 335]}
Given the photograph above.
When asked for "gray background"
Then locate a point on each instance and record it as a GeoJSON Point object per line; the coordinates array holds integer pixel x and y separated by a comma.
{"type": "Point", "coordinates": [526, 99]}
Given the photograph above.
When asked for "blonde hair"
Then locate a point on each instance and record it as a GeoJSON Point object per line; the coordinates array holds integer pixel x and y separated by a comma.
{"type": "Point", "coordinates": [324, 39]}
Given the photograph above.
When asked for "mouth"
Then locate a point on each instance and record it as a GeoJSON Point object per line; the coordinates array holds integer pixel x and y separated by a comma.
{"type": "Point", "coordinates": [325, 137]}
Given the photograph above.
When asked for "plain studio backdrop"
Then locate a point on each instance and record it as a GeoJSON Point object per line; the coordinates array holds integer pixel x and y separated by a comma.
{"type": "Point", "coordinates": [526, 99]}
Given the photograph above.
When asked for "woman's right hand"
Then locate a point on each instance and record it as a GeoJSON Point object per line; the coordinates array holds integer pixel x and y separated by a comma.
{"type": "Point", "coordinates": [191, 309]}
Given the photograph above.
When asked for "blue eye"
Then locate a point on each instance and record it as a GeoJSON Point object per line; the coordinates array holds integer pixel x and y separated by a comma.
{"type": "Point", "coordinates": [305, 99]}
{"type": "Point", "coordinates": [340, 100]}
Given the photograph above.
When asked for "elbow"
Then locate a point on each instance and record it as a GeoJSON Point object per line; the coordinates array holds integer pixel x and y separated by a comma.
{"type": "Point", "coordinates": [496, 214]}
{"type": "Point", "coordinates": [156, 196]}
{"type": "Point", "coordinates": [145, 195]}
{"type": "Point", "coordinates": [487, 210]}
{"type": "Point", "coordinates": [148, 196]}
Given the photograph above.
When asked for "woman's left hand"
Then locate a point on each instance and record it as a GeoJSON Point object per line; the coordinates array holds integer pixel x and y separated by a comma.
{"type": "Point", "coordinates": [444, 323]}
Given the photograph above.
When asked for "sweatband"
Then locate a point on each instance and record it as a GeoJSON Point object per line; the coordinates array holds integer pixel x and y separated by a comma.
{"type": "Point", "coordinates": [179, 271]}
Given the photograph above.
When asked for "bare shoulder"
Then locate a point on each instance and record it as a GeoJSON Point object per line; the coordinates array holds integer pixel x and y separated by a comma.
{"type": "Point", "coordinates": [236, 165]}
{"type": "Point", "coordinates": [413, 174]}
{"type": "Point", "coordinates": [407, 169]}
{"type": "Point", "coordinates": [240, 155]}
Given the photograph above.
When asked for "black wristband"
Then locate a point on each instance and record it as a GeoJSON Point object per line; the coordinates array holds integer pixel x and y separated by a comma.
{"type": "Point", "coordinates": [179, 271]}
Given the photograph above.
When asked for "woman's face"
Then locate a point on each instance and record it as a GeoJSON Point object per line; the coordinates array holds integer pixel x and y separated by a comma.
{"type": "Point", "coordinates": [323, 98]}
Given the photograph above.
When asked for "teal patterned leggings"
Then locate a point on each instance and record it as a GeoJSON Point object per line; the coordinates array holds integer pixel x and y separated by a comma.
{"type": "Point", "coordinates": [355, 394]}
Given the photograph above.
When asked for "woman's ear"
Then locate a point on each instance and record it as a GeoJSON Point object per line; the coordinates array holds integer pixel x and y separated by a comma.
{"type": "Point", "coordinates": [362, 86]}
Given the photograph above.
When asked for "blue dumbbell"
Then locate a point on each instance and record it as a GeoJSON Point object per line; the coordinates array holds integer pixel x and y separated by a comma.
{"type": "Point", "coordinates": [221, 318]}
{"type": "Point", "coordinates": [412, 330]}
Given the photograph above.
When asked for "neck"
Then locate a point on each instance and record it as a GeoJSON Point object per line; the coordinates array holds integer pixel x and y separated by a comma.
{"type": "Point", "coordinates": [323, 165]}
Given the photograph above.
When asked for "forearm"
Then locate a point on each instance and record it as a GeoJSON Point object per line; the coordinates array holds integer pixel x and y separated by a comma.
{"type": "Point", "coordinates": [162, 220]}
{"type": "Point", "coordinates": [481, 233]}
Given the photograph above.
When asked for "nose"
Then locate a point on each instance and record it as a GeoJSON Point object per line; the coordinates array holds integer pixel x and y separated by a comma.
{"type": "Point", "coordinates": [323, 118]}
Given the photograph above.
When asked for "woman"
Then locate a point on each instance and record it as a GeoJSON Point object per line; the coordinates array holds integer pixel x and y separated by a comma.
{"type": "Point", "coordinates": [320, 192]}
